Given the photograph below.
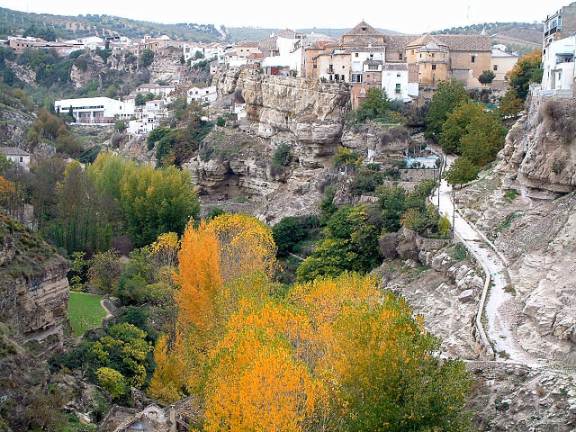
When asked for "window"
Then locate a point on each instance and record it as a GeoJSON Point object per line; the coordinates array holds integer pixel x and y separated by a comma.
{"type": "Point", "coordinates": [398, 88]}
{"type": "Point", "coordinates": [342, 77]}
{"type": "Point", "coordinates": [400, 56]}
{"type": "Point", "coordinates": [473, 58]}
{"type": "Point", "coordinates": [495, 67]}
{"type": "Point", "coordinates": [432, 55]}
{"type": "Point", "coordinates": [433, 67]}
{"type": "Point", "coordinates": [355, 54]}
{"type": "Point", "coordinates": [371, 56]}
{"type": "Point", "coordinates": [398, 75]}
{"type": "Point", "coordinates": [343, 67]}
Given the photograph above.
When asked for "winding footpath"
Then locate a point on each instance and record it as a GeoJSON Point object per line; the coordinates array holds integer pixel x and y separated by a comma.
{"type": "Point", "coordinates": [498, 314]}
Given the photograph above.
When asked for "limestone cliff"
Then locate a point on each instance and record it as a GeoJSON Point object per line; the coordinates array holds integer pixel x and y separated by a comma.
{"type": "Point", "coordinates": [307, 116]}
{"type": "Point", "coordinates": [539, 155]}
{"type": "Point", "coordinates": [33, 285]}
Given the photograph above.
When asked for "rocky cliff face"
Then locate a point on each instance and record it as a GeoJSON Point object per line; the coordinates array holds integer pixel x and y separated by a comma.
{"type": "Point", "coordinates": [540, 151]}
{"type": "Point", "coordinates": [307, 116]}
{"type": "Point", "coordinates": [33, 285]}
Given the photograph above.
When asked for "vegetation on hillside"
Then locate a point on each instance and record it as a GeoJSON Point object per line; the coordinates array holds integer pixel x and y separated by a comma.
{"type": "Point", "coordinates": [15, 22]}
{"type": "Point", "coordinates": [313, 354]}
{"type": "Point", "coordinates": [465, 128]}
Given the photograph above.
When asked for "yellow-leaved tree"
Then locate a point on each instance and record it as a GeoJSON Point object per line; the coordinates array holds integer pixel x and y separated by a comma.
{"type": "Point", "coordinates": [212, 255]}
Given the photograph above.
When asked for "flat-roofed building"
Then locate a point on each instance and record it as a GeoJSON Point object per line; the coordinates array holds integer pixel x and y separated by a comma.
{"type": "Point", "coordinates": [97, 110]}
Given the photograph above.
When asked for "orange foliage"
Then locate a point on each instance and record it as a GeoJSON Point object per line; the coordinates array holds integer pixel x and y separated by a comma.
{"type": "Point", "coordinates": [258, 382]}
{"type": "Point", "coordinates": [246, 245]}
{"type": "Point", "coordinates": [6, 186]}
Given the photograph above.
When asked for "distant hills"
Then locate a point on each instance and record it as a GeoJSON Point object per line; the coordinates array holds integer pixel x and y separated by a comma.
{"type": "Point", "coordinates": [257, 33]}
{"type": "Point", "coordinates": [518, 36]}
{"type": "Point", "coordinates": [67, 27]}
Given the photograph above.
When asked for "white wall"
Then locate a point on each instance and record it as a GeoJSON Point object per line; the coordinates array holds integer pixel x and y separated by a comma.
{"type": "Point", "coordinates": [391, 79]}
{"type": "Point", "coordinates": [559, 75]}
{"type": "Point", "coordinates": [94, 109]}
{"type": "Point", "coordinates": [204, 94]}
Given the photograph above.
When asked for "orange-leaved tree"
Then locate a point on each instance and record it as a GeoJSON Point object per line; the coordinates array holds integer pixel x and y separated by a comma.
{"type": "Point", "coordinates": [259, 379]}
{"type": "Point", "coordinates": [213, 255]}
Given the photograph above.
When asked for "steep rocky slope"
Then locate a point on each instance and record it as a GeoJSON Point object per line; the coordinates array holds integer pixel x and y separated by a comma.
{"type": "Point", "coordinates": [235, 169]}
{"type": "Point", "coordinates": [539, 155]}
{"type": "Point", "coordinates": [33, 285]}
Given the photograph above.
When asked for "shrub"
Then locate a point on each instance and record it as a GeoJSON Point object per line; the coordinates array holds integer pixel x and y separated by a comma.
{"type": "Point", "coordinates": [486, 77]}
{"type": "Point", "coordinates": [113, 381]}
{"type": "Point", "coordinates": [221, 122]}
{"type": "Point", "coordinates": [346, 158]}
{"type": "Point", "coordinates": [281, 158]}
{"type": "Point", "coordinates": [146, 58]}
{"type": "Point", "coordinates": [291, 230]}
{"type": "Point", "coordinates": [462, 171]}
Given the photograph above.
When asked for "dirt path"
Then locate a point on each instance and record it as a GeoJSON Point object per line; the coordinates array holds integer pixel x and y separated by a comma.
{"type": "Point", "coordinates": [500, 314]}
{"type": "Point", "coordinates": [109, 314]}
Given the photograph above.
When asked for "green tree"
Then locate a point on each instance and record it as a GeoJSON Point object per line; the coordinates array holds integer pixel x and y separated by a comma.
{"type": "Point", "coordinates": [104, 272]}
{"type": "Point", "coordinates": [350, 244]}
{"type": "Point", "coordinates": [146, 58]}
{"type": "Point", "coordinates": [292, 230]}
{"type": "Point", "coordinates": [448, 96]}
{"type": "Point", "coordinates": [485, 136]}
{"type": "Point", "coordinates": [511, 104]}
{"type": "Point", "coordinates": [486, 77]}
{"type": "Point", "coordinates": [113, 381]}
{"type": "Point", "coordinates": [462, 171]}
{"type": "Point", "coordinates": [455, 126]}
{"type": "Point", "coordinates": [392, 202]}
{"type": "Point", "coordinates": [375, 106]}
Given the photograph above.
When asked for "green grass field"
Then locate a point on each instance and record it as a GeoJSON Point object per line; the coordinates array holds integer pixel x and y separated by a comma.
{"type": "Point", "coordinates": [84, 312]}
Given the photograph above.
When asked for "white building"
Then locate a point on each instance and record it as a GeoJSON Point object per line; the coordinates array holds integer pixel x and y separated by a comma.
{"type": "Point", "coordinates": [558, 64]}
{"type": "Point", "coordinates": [202, 94]}
{"type": "Point", "coordinates": [361, 61]}
{"type": "Point", "coordinates": [502, 62]}
{"type": "Point", "coordinates": [161, 91]}
{"type": "Point", "coordinates": [148, 117]}
{"type": "Point", "coordinates": [97, 110]}
{"type": "Point", "coordinates": [395, 82]}
{"type": "Point", "coordinates": [290, 55]}
{"type": "Point", "coordinates": [17, 156]}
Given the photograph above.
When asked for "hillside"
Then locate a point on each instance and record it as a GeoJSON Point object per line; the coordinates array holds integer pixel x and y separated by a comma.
{"type": "Point", "coordinates": [15, 22]}
{"type": "Point", "coordinates": [517, 35]}
{"type": "Point", "coordinates": [257, 33]}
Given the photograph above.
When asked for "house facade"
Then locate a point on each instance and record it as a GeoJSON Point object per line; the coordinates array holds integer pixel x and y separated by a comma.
{"type": "Point", "coordinates": [559, 65]}
{"type": "Point", "coordinates": [97, 110]}
{"type": "Point", "coordinates": [502, 63]}
{"type": "Point", "coordinates": [417, 63]}
{"type": "Point", "coordinates": [17, 156]}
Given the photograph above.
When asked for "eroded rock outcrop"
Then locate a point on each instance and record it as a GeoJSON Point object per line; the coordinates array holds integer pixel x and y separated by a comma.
{"type": "Point", "coordinates": [540, 150]}
{"type": "Point", "coordinates": [33, 285]}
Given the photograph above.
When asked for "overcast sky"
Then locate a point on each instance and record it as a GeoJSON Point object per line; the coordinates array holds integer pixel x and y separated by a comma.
{"type": "Point", "coordinates": [406, 16]}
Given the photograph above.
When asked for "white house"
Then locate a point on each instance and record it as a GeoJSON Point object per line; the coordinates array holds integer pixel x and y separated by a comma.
{"type": "Point", "coordinates": [395, 82]}
{"type": "Point", "coordinates": [161, 91]}
{"type": "Point", "coordinates": [558, 64]}
{"type": "Point", "coordinates": [97, 110]}
{"type": "Point", "coordinates": [17, 156]}
{"type": "Point", "coordinates": [202, 94]}
{"type": "Point", "coordinates": [363, 59]}
{"type": "Point", "coordinates": [148, 117]}
{"type": "Point", "coordinates": [502, 62]}
{"type": "Point", "coordinates": [290, 54]}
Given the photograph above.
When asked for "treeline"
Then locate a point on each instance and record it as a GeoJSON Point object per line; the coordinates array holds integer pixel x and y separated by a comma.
{"type": "Point", "coordinates": [333, 354]}
{"type": "Point", "coordinates": [112, 203]}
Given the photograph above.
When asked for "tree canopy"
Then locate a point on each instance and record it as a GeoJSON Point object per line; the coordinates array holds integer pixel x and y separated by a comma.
{"type": "Point", "coordinates": [448, 96]}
